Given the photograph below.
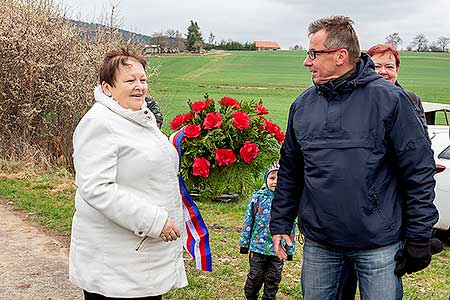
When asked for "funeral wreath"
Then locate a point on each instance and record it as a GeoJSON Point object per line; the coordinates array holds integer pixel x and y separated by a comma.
{"type": "Point", "coordinates": [225, 145]}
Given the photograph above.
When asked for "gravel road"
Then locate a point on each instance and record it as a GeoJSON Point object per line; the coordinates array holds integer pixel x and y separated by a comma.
{"type": "Point", "coordinates": [33, 263]}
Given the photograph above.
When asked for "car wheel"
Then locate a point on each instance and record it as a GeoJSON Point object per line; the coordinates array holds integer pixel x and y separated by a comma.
{"type": "Point", "coordinates": [443, 235]}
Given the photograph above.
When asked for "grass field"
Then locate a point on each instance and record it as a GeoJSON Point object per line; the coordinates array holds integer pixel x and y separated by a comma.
{"type": "Point", "coordinates": [49, 195]}
{"type": "Point", "coordinates": [277, 77]}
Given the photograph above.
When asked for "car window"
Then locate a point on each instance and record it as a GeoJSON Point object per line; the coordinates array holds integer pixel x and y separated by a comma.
{"type": "Point", "coordinates": [445, 154]}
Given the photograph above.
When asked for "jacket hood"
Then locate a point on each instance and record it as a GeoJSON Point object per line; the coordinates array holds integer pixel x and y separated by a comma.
{"type": "Point", "coordinates": [365, 73]}
{"type": "Point", "coordinates": [274, 167]}
{"type": "Point", "coordinates": [143, 116]}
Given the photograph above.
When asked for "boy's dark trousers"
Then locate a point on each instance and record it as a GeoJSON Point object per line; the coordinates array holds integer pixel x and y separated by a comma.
{"type": "Point", "coordinates": [264, 269]}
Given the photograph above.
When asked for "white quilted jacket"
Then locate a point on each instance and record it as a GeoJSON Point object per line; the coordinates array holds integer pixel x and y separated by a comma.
{"type": "Point", "coordinates": [126, 173]}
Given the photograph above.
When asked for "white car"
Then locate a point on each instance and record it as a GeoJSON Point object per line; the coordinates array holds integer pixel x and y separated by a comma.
{"type": "Point", "coordinates": [440, 142]}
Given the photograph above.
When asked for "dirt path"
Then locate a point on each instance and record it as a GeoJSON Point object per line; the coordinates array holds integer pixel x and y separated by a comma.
{"type": "Point", "coordinates": [33, 264]}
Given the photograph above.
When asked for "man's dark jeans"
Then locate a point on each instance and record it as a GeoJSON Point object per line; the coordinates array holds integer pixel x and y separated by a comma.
{"type": "Point", "coordinates": [264, 269]}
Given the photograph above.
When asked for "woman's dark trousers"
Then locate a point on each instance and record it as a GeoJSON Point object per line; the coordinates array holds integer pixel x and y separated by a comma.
{"type": "Point", "coordinates": [92, 296]}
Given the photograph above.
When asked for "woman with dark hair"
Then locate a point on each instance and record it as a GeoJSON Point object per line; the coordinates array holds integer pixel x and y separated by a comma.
{"type": "Point", "coordinates": [126, 229]}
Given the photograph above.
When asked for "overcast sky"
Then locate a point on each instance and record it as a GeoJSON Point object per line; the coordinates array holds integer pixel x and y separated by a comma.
{"type": "Point", "coordinates": [283, 21]}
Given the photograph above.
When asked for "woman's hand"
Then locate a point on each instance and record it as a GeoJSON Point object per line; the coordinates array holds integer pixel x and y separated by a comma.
{"type": "Point", "coordinates": [170, 231]}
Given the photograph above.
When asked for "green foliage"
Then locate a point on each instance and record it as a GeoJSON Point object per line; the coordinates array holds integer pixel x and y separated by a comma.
{"type": "Point", "coordinates": [194, 40]}
{"type": "Point", "coordinates": [235, 45]}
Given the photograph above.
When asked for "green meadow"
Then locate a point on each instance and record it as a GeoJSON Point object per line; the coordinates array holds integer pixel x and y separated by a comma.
{"type": "Point", "coordinates": [276, 77]}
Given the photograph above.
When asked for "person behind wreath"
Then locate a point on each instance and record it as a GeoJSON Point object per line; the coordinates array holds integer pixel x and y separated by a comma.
{"type": "Point", "coordinates": [152, 105]}
{"type": "Point", "coordinates": [265, 266]}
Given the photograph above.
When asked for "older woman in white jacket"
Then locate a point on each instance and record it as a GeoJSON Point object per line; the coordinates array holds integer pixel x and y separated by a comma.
{"type": "Point", "coordinates": [126, 229]}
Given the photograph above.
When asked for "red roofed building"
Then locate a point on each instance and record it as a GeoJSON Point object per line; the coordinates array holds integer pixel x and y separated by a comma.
{"type": "Point", "coordinates": [266, 45]}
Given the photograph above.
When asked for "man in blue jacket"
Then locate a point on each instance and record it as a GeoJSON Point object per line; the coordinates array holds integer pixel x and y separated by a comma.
{"type": "Point", "coordinates": [357, 169]}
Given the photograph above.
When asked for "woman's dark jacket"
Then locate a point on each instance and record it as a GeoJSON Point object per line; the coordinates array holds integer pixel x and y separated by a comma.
{"type": "Point", "coordinates": [418, 107]}
{"type": "Point", "coordinates": [356, 165]}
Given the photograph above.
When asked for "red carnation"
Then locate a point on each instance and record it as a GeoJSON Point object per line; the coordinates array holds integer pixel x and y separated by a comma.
{"type": "Point", "coordinates": [199, 106]}
{"type": "Point", "coordinates": [241, 120]}
{"type": "Point", "coordinates": [271, 127]}
{"type": "Point", "coordinates": [192, 131]}
{"type": "Point", "coordinates": [200, 167]}
{"type": "Point", "coordinates": [248, 152]}
{"type": "Point", "coordinates": [279, 135]}
{"type": "Point", "coordinates": [261, 110]}
{"type": "Point", "coordinates": [227, 101]}
{"type": "Point", "coordinates": [176, 122]}
{"type": "Point", "coordinates": [187, 117]}
{"type": "Point", "coordinates": [225, 157]}
{"type": "Point", "coordinates": [212, 120]}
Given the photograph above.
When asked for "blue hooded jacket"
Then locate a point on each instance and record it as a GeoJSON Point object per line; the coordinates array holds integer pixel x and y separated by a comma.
{"type": "Point", "coordinates": [255, 234]}
{"type": "Point", "coordinates": [355, 165]}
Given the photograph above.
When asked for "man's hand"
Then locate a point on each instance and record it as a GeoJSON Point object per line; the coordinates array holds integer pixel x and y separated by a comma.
{"type": "Point", "coordinates": [416, 256]}
{"type": "Point", "coordinates": [280, 250]}
{"type": "Point", "coordinates": [170, 232]}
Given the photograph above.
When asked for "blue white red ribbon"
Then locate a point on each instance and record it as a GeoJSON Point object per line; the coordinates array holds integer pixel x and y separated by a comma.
{"type": "Point", "coordinates": [196, 235]}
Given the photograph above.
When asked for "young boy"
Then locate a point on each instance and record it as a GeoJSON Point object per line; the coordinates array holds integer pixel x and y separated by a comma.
{"type": "Point", "coordinates": [265, 266]}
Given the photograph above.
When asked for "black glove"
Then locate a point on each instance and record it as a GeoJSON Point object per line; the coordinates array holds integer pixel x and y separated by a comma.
{"type": "Point", "coordinates": [153, 106]}
{"type": "Point", "coordinates": [416, 256]}
{"type": "Point", "coordinates": [243, 250]}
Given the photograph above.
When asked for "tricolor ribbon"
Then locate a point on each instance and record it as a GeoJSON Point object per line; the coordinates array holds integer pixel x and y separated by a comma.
{"type": "Point", "coordinates": [196, 235]}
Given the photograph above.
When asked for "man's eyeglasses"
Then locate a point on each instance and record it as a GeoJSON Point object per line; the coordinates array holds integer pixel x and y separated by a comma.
{"type": "Point", "coordinates": [313, 53]}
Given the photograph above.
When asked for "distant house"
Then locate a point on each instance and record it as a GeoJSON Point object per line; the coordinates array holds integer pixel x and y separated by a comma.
{"type": "Point", "coordinates": [261, 46]}
{"type": "Point", "coordinates": [152, 49]}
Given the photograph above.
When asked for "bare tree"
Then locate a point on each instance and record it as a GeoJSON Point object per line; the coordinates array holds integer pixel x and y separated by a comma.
{"type": "Point", "coordinates": [115, 21]}
{"type": "Point", "coordinates": [171, 37]}
{"type": "Point", "coordinates": [442, 42]}
{"type": "Point", "coordinates": [171, 33]}
{"type": "Point", "coordinates": [420, 43]}
{"type": "Point", "coordinates": [394, 39]}
{"type": "Point", "coordinates": [211, 38]}
{"type": "Point", "coordinates": [158, 38]}
{"type": "Point", "coordinates": [180, 43]}
{"type": "Point", "coordinates": [435, 48]}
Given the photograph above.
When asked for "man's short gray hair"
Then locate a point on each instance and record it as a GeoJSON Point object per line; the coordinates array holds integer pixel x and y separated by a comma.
{"type": "Point", "coordinates": [340, 34]}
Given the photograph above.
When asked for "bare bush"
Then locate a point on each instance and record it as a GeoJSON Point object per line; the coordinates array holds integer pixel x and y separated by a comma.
{"type": "Point", "coordinates": [48, 70]}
